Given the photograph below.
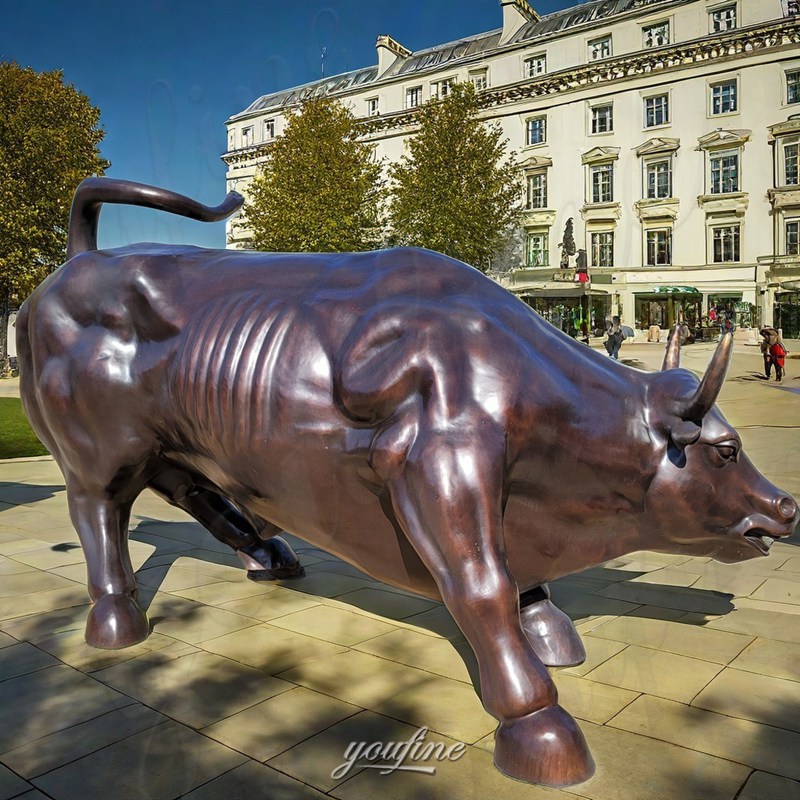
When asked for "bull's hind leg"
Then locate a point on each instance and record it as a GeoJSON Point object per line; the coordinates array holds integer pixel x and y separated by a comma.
{"type": "Point", "coordinates": [446, 491]}
{"type": "Point", "coordinates": [550, 631]}
{"type": "Point", "coordinates": [264, 554]}
{"type": "Point", "coordinates": [101, 519]}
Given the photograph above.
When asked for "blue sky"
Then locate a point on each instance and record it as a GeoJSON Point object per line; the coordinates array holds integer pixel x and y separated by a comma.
{"type": "Point", "coordinates": [166, 74]}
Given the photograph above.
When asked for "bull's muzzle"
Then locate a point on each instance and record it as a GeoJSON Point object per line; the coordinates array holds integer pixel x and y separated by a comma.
{"type": "Point", "coordinates": [786, 509]}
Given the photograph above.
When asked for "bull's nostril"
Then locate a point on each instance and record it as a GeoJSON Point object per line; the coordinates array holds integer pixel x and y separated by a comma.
{"type": "Point", "coordinates": [787, 507]}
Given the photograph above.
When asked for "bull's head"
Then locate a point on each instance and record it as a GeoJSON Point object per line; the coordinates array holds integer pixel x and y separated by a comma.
{"type": "Point", "coordinates": [706, 497]}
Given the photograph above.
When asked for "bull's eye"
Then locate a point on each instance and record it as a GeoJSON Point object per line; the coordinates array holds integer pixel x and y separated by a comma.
{"type": "Point", "coordinates": [727, 452]}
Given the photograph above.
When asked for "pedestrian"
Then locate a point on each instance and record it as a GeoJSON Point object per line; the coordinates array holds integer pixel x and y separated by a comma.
{"type": "Point", "coordinates": [615, 338]}
{"type": "Point", "coordinates": [774, 352]}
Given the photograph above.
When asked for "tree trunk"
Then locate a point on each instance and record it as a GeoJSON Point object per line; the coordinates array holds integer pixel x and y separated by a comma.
{"type": "Point", "coordinates": [5, 364]}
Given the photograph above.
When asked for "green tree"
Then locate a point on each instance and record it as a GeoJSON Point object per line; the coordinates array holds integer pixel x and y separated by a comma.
{"type": "Point", "coordinates": [456, 190]}
{"type": "Point", "coordinates": [49, 142]}
{"type": "Point", "coordinates": [320, 189]}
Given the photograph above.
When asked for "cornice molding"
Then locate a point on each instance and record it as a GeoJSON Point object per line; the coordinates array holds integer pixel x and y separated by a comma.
{"type": "Point", "coordinates": [786, 128]}
{"type": "Point", "coordinates": [535, 162]}
{"type": "Point", "coordinates": [658, 145]}
{"type": "Point", "coordinates": [720, 138]}
{"type": "Point", "coordinates": [600, 155]}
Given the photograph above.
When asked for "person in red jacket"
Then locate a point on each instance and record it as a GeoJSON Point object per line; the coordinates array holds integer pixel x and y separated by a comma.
{"type": "Point", "coordinates": [774, 353]}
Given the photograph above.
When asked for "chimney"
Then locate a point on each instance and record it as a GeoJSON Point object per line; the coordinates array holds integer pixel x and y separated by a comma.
{"type": "Point", "coordinates": [516, 13]}
{"type": "Point", "coordinates": [388, 52]}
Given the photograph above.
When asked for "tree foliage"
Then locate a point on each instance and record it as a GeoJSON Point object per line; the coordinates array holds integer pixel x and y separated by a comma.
{"type": "Point", "coordinates": [456, 190]}
{"type": "Point", "coordinates": [320, 189]}
{"type": "Point", "coordinates": [49, 142]}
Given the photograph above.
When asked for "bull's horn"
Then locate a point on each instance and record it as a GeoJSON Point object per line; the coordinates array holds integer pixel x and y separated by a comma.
{"type": "Point", "coordinates": [672, 358]}
{"type": "Point", "coordinates": [697, 406]}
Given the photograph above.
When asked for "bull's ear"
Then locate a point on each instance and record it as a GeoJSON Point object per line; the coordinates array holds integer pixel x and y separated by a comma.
{"type": "Point", "coordinates": [684, 433]}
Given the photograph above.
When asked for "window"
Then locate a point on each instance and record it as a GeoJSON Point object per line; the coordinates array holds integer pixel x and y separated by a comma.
{"type": "Point", "coordinates": [373, 109]}
{"type": "Point", "coordinates": [656, 110]}
{"type": "Point", "coordinates": [725, 243]}
{"type": "Point", "coordinates": [599, 48]}
{"type": "Point", "coordinates": [536, 190]}
{"type": "Point", "coordinates": [659, 247]}
{"type": "Point", "coordinates": [656, 35]}
{"type": "Point", "coordinates": [791, 164]}
{"type": "Point", "coordinates": [269, 129]}
{"type": "Point", "coordinates": [535, 65]}
{"type": "Point", "coordinates": [480, 80]}
{"type": "Point", "coordinates": [723, 97]}
{"type": "Point", "coordinates": [440, 89]}
{"type": "Point", "coordinates": [603, 249]}
{"type": "Point", "coordinates": [658, 179]}
{"type": "Point", "coordinates": [536, 130]}
{"type": "Point", "coordinates": [231, 140]}
{"type": "Point", "coordinates": [413, 96]}
{"type": "Point", "coordinates": [602, 180]}
{"type": "Point", "coordinates": [793, 7]}
{"type": "Point", "coordinates": [603, 118]}
{"type": "Point", "coordinates": [722, 19]}
{"type": "Point", "coordinates": [793, 86]}
{"type": "Point", "coordinates": [247, 136]}
{"type": "Point", "coordinates": [536, 250]}
{"type": "Point", "coordinates": [724, 172]}
{"type": "Point", "coordinates": [793, 238]}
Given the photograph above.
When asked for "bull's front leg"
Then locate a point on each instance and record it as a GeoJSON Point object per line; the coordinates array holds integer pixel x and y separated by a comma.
{"type": "Point", "coordinates": [446, 492]}
{"type": "Point", "coordinates": [550, 631]}
{"type": "Point", "coordinates": [101, 519]}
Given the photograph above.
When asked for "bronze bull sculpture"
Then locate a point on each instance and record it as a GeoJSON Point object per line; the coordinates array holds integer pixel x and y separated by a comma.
{"type": "Point", "coordinates": [396, 408]}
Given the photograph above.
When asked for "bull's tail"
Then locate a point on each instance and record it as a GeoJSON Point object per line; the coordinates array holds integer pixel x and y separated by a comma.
{"type": "Point", "coordinates": [93, 192]}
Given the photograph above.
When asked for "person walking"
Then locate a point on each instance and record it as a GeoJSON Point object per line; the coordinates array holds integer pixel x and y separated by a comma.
{"type": "Point", "coordinates": [615, 338]}
{"type": "Point", "coordinates": [774, 353]}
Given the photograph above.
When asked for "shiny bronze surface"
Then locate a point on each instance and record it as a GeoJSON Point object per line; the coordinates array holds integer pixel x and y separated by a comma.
{"type": "Point", "coordinates": [398, 409]}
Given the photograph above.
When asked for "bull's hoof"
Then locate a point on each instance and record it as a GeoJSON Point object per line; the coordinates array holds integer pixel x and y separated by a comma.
{"type": "Point", "coordinates": [270, 560]}
{"type": "Point", "coordinates": [552, 635]}
{"type": "Point", "coordinates": [116, 621]}
{"type": "Point", "coordinates": [546, 747]}
{"type": "Point", "coordinates": [297, 571]}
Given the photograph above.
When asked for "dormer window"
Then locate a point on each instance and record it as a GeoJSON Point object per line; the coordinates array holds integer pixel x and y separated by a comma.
{"type": "Point", "coordinates": [656, 35]}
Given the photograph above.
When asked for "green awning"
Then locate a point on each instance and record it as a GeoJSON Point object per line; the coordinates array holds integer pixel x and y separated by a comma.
{"type": "Point", "coordinates": [675, 290]}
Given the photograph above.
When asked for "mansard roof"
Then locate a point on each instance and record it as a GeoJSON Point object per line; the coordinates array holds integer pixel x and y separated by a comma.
{"type": "Point", "coordinates": [585, 13]}
{"type": "Point", "coordinates": [453, 53]}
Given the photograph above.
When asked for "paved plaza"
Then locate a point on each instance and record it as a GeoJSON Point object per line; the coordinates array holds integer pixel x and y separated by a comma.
{"type": "Point", "coordinates": [691, 687]}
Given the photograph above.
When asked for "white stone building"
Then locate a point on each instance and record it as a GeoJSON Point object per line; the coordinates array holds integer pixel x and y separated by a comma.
{"type": "Point", "coordinates": [668, 130]}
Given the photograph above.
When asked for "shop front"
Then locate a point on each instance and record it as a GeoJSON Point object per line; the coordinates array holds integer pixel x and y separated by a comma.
{"type": "Point", "coordinates": [730, 306]}
{"type": "Point", "coordinates": [573, 310]}
{"type": "Point", "coordinates": [786, 313]}
{"type": "Point", "coordinates": [667, 305]}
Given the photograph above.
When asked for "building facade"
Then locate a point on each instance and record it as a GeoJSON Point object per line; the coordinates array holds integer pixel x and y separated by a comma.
{"type": "Point", "coordinates": [667, 131]}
